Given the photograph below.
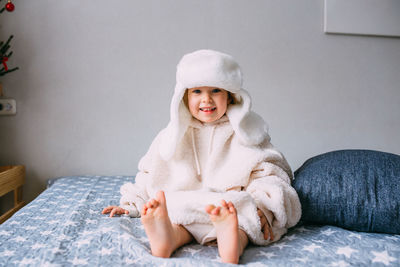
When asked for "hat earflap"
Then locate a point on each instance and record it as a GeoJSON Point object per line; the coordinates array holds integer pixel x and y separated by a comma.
{"type": "Point", "coordinates": [180, 120]}
{"type": "Point", "coordinates": [249, 126]}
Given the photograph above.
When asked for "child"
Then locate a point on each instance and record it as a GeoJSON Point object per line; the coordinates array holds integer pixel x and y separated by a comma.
{"type": "Point", "coordinates": [212, 173]}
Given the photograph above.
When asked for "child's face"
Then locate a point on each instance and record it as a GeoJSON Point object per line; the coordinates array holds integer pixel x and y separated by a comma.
{"type": "Point", "coordinates": [207, 104]}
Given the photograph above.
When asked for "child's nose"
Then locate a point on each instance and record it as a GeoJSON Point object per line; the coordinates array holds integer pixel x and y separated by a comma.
{"type": "Point", "coordinates": [207, 98]}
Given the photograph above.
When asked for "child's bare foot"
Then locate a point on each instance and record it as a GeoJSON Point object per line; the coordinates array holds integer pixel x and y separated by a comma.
{"type": "Point", "coordinates": [164, 236]}
{"type": "Point", "coordinates": [231, 240]}
{"type": "Point", "coordinates": [157, 225]}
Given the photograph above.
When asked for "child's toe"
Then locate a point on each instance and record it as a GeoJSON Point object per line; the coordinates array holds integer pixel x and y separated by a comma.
{"type": "Point", "coordinates": [209, 208]}
{"type": "Point", "coordinates": [161, 197]}
{"type": "Point", "coordinates": [216, 211]}
{"type": "Point", "coordinates": [223, 203]}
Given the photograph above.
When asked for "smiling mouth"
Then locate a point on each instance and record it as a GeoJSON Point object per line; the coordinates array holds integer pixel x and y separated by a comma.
{"type": "Point", "coordinates": [208, 109]}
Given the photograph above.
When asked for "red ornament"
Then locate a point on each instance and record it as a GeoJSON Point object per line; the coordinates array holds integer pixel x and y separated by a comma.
{"type": "Point", "coordinates": [4, 60]}
{"type": "Point", "coordinates": [10, 6]}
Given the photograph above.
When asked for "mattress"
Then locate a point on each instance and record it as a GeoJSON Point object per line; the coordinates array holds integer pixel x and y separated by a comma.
{"type": "Point", "coordinates": [64, 226]}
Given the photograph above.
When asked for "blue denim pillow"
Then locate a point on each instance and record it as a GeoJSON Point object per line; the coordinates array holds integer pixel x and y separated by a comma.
{"type": "Point", "coordinates": [354, 189]}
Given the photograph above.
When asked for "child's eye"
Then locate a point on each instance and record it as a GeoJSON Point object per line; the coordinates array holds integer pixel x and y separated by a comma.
{"type": "Point", "coordinates": [196, 91]}
{"type": "Point", "coordinates": [216, 90]}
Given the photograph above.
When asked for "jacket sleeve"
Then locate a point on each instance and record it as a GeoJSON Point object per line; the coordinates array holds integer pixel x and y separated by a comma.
{"type": "Point", "coordinates": [134, 196]}
{"type": "Point", "coordinates": [270, 187]}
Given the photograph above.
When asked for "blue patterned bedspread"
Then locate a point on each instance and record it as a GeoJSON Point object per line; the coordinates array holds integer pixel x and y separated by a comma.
{"type": "Point", "coordinates": [64, 227]}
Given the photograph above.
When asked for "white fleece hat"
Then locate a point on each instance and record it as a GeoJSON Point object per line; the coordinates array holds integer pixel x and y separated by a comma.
{"type": "Point", "coordinates": [211, 68]}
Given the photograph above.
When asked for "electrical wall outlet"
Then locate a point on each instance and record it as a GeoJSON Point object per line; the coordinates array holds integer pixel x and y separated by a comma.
{"type": "Point", "coordinates": [8, 106]}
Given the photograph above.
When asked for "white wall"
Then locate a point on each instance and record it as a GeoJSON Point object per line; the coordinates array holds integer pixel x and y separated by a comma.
{"type": "Point", "coordinates": [96, 78]}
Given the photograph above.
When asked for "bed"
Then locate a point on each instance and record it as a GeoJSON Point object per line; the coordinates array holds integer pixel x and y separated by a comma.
{"type": "Point", "coordinates": [64, 226]}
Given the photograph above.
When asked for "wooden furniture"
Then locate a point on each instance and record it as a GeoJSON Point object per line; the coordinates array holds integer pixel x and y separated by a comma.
{"type": "Point", "coordinates": [12, 178]}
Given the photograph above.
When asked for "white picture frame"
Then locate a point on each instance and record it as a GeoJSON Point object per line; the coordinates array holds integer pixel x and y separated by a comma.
{"type": "Point", "coordinates": [362, 17]}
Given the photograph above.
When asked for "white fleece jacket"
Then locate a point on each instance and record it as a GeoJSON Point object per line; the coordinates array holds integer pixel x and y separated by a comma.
{"type": "Point", "coordinates": [211, 164]}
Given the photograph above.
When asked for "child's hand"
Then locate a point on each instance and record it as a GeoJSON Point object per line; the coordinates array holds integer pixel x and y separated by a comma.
{"type": "Point", "coordinates": [114, 210]}
{"type": "Point", "coordinates": [265, 227]}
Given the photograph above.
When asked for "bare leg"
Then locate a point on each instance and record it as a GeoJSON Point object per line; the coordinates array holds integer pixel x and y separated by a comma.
{"type": "Point", "coordinates": [231, 240]}
{"type": "Point", "coordinates": [164, 236]}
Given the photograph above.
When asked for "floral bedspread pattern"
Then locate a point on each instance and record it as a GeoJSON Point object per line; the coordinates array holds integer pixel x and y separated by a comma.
{"type": "Point", "coordinates": [64, 227]}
